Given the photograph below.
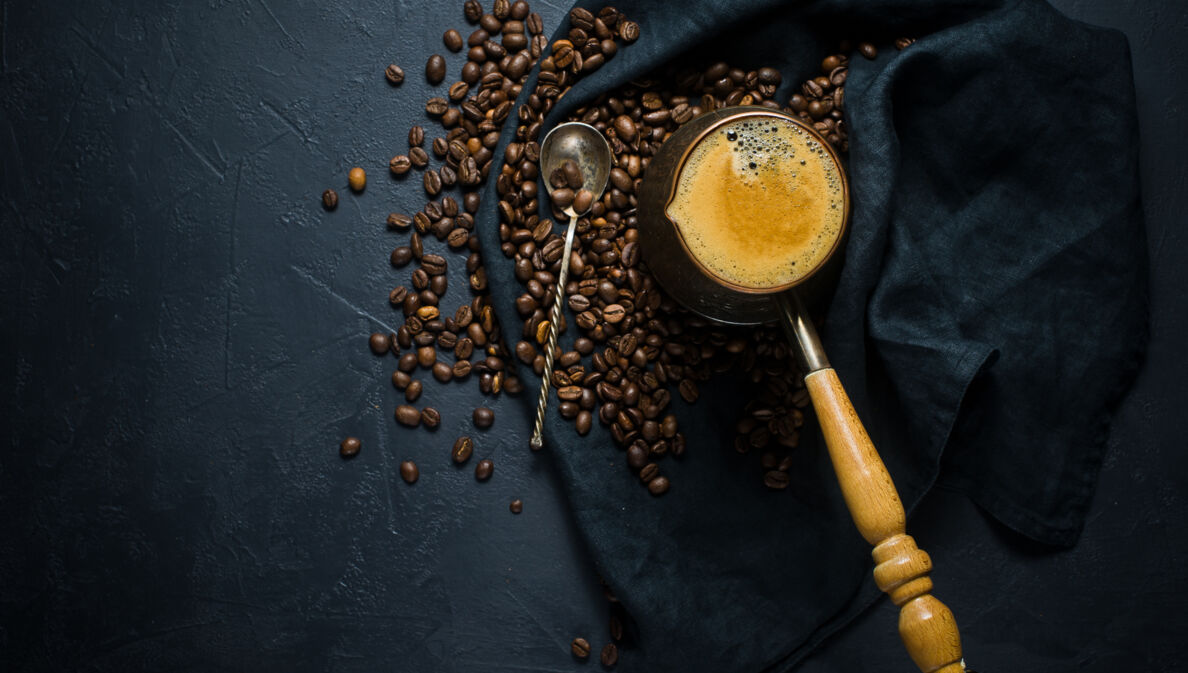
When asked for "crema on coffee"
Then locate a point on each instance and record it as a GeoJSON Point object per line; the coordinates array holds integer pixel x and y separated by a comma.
{"type": "Point", "coordinates": [759, 202]}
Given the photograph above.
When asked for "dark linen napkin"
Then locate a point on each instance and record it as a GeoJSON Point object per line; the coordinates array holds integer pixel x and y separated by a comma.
{"type": "Point", "coordinates": [992, 308]}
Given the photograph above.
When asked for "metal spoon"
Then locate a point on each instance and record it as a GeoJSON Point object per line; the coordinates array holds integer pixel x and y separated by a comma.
{"type": "Point", "coordinates": [587, 147]}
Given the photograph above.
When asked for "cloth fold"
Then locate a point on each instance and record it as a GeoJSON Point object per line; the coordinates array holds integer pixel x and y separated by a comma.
{"type": "Point", "coordinates": [990, 314]}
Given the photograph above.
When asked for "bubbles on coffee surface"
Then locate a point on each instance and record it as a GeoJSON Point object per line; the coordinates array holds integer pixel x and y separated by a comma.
{"type": "Point", "coordinates": [759, 202]}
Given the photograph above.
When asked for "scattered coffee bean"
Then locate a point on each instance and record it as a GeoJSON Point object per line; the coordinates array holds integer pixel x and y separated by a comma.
{"type": "Point", "coordinates": [349, 447]}
{"type": "Point", "coordinates": [610, 655]}
{"type": "Point", "coordinates": [483, 418]}
{"type": "Point", "coordinates": [409, 471]}
{"type": "Point", "coordinates": [580, 648]}
{"type": "Point", "coordinates": [408, 415]}
{"type": "Point", "coordinates": [380, 343]}
{"type": "Point", "coordinates": [868, 51]}
{"type": "Point", "coordinates": [394, 74]}
{"type": "Point", "coordinates": [329, 199]}
{"type": "Point", "coordinates": [357, 179]}
{"type": "Point", "coordinates": [463, 448]}
{"type": "Point", "coordinates": [412, 392]}
{"type": "Point", "coordinates": [516, 506]}
{"type": "Point", "coordinates": [435, 69]}
{"type": "Point", "coordinates": [658, 486]}
{"type": "Point", "coordinates": [400, 164]}
{"type": "Point", "coordinates": [483, 470]}
{"type": "Point", "coordinates": [430, 417]}
{"type": "Point", "coordinates": [452, 40]}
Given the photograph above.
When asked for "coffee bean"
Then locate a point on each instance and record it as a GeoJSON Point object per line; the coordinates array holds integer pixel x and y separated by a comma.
{"type": "Point", "coordinates": [380, 343]}
{"type": "Point", "coordinates": [430, 417]}
{"type": "Point", "coordinates": [649, 472]}
{"type": "Point", "coordinates": [629, 31]}
{"type": "Point", "coordinates": [452, 40]}
{"type": "Point", "coordinates": [658, 486]}
{"type": "Point", "coordinates": [349, 447]}
{"type": "Point", "coordinates": [436, 106]}
{"type": "Point", "coordinates": [408, 415]}
{"type": "Point", "coordinates": [435, 69]}
{"type": "Point", "coordinates": [483, 470]}
{"type": "Point", "coordinates": [394, 74]}
{"type": "Point", "coordinates": [582, 200]}
{"type": "Point", "coordinates": [625, 128]}
{"type": "Point", "coordinates": [688, 390]}
{"type": "Point", "coordinates": [516, 506]}
{"type": "Point", "coordinates": [443, 372]}
{"type": "Point", "coordinates": [418, 157]}
{"type": "Point", "coordinates": [483, 418]}
{"type": "Point", "coordinates": [357, 179]}
{"type": "Point", "coordinates": [400, 164]}
{"type": "Point", "coordinates": [868, 51]}
{"type": "Point", "coordinates": [400, 256]}
{"type": "Point", "coordinates": [412, 391]}
{"type": "Point", "coordinates": [434, 265]}
{"type": "Point", "coordinates": [463, 448]}
{"type": "Point", "coordinates": [432, 183]}
{"type": "Point", "coordinates": [409, 471]}
{"type": "Point", "coordinates": [776, 480]}
{"type": "Point", "coordinates": [472, 9]}
{"type": "Point", "coordinates": [580, 648]}
{"type": "Point", "coordinates": [610, 653]}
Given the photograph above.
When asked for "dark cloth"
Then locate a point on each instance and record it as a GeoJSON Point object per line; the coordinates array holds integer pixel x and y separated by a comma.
{"type": "Point", "coordinates": [992, 308]}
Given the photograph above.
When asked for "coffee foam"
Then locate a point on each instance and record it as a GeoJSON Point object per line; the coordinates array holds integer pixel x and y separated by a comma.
{"type": "Point", "coordinates": [759, 202]}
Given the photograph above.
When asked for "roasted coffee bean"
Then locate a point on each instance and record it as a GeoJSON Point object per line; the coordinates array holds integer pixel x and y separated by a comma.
{"type": "Point", "coordinates": [463, 448]}
{"type": "Point", "coordinates": [649, 472]}
{"type": "Point", "coordinates": [400, 164]}
{"type": "Point", "coordinates": [408, 415]}
{"type": "Point", "coordinates": [629, 31]}
{"type": "Point", "coordinates": [401, 379]}
{"type": "Point", "coordinates": [483, 418]}
{"type": "Point", "coordinates": [688, 390]}
{"type": "Point", "coordinates": [432, 183]}
{"type": "Point", "coordinates": [409, 471]}
{"type": "Point", "coordinates": [776, 480]}
{"type": "Point", "coordinates": [329, 199]}
{"type": "Point", "coordinates": [443, 372]}
{"type": "Point", "coordinates": [436, 106]}
{"type": "Point", "coordinates": [610, 653]}
{"type": "Point", "coordinates": [516, 506]}
{"type": "Point", "coordinates": [435, 69]}
{"type": "Point", "coordinates": [349, 447]}
{"type": "Point", "coordinates": [658, 486]}
{"type": "Point", "coordinates": [418, 157]}
{"type": "Point", "coordinates": [399, 221]}
{"type": "Point", "coordinates": [461, 369]}
{"type": "Point", "coordinates": [452, 40]}
{"type": "Point", "coordinates": [380, 343]}
{"type": "Point", "coordinates": [580, 648]}
{"type": "Point", "coordinates": [407, 363]}
{"type": "Point", "coordinates": [434, 265]}
{"type": "Point", "coordinates": [412, 391]}
{"type": "Point", "coordinates": [401, 256]}
{"type": "Point", "coordinates": [868, 51]}
{"type": "Point", "coordinates": [584, 422]}
{"type": "Point", "coordinates": [430, 417]}
{"type": "Point", "coordinates": [582, 200]}
{"type": "Point", "coordinates": [473, 10]}
{"type": "Point", "coordinates": [483, 470]}
{"type": "Point", "coordinates": [394, 74]}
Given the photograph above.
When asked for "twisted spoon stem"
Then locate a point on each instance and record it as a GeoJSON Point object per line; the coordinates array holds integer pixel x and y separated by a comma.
{"type": "Point", "coordinates": [546, 376]}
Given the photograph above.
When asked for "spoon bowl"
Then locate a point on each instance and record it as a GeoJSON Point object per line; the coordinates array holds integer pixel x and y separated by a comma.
{"type": "Point", "coordinates": [586, 146]}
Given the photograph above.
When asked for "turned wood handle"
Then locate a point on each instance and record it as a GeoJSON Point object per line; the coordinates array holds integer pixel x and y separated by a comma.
{"type": "Point", "coordinates": [927, 627]}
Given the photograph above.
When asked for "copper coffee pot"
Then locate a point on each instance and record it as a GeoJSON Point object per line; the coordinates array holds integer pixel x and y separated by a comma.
{"type": "Point", "coordinates": [926, 625]}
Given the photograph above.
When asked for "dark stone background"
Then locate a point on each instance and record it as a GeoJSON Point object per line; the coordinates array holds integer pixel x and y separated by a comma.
{"type": "Point", "coordinates": [183, 339]}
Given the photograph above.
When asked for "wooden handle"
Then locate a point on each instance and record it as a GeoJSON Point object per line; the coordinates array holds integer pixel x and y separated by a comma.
{"type": "Point", "coordinates": [926, 626]}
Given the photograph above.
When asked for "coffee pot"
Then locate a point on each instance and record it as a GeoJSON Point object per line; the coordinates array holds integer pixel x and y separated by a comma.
{"type": "Point", "coordinates": [926, 625]}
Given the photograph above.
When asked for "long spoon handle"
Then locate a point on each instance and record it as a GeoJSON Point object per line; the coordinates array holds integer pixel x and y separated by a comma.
{"type": "Point", "coordinates": [546, 376]}
{"type": "Point", "coordinates": [926, 625]}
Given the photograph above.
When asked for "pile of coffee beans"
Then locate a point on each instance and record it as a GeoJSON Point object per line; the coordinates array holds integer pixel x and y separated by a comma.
{"type": "Point", "coordinates": [634, 349]}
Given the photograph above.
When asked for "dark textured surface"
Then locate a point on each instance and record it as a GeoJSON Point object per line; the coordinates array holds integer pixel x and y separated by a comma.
{"type": "Point", "coordinates": [184, 330]}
